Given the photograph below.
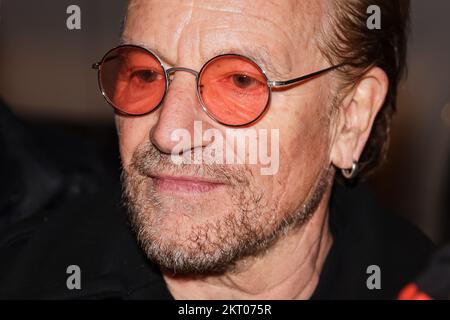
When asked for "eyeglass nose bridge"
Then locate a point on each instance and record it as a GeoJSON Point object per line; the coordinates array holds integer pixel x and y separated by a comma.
{"type": "Point", "coordinates": [170, 71]}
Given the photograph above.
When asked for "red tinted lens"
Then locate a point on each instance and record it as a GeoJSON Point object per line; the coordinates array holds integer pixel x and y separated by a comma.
{"type": "Point", "coordinates": [132, 80]}
{"type": "Point", "coordinates": [233, 89]}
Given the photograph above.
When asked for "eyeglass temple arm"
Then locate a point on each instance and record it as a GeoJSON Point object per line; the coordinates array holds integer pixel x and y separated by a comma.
{"type": "Point", "coordinates": [273, 84]}
{"type": "Point", "coordinates": [279, 84]}
{"type": "Point", "coordinates": [97, 65]}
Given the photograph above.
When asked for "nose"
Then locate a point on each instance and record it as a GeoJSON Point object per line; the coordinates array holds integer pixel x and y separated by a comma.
{"type": "Point", "coordinates": [178, 113]}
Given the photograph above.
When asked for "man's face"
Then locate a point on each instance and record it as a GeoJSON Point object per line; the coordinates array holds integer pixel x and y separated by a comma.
{"type": "Point", "coordinates": [204, 217]}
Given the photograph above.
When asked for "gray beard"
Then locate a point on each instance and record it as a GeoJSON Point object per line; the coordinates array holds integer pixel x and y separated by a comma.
{"type": "Point", "coordinates": [249, 230]}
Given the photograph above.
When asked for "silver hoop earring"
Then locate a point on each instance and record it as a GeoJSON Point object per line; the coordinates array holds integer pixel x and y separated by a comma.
{"type": "Point", "coordinates": [351, 173]}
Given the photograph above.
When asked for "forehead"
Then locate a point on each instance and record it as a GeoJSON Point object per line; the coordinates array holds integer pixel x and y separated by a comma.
{"type": "Point", "coordinates": [274, 33]}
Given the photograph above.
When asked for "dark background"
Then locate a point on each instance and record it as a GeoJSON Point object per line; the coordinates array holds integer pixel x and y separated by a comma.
{"type": "Point", "coordinates": [45, 77]}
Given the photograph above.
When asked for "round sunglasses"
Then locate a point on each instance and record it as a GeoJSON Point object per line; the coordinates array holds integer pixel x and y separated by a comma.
{"type": "Point", "coordinates": [232, 89]}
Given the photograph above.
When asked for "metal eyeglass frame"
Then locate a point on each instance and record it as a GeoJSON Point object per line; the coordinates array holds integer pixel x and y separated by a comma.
{"type": "Point", "coordinates": [168, 71]}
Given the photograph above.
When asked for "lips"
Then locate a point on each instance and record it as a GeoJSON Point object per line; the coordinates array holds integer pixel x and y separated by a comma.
{"type": "Point", "coordinates": [185, 185]}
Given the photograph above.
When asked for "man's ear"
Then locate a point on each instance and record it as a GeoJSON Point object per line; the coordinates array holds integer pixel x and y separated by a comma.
{"type": "Point", "coordinates": [356, 115]}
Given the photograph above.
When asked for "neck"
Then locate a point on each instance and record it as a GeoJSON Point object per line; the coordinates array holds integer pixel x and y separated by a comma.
{"type": "Point", "coordinates": [289, 270]}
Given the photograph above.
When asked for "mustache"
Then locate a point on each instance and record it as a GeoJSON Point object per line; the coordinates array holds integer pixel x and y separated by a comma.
{"type": "Point", "coordinates": [148, 160]}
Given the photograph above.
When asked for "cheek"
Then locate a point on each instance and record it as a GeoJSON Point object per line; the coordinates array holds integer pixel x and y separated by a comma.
{"type": "Point", "coordinates": [306, 139]}
{"type": "Point", "coordinates": [303, 149]}
{"type": "Point", "coordinates": [133, 132]}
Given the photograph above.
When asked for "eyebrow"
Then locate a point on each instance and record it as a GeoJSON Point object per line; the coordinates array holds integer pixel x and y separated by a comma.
{"type": "Point", "coordinates": [124, 41]}
{"type": "Point", "coordinates": [260, 55]}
